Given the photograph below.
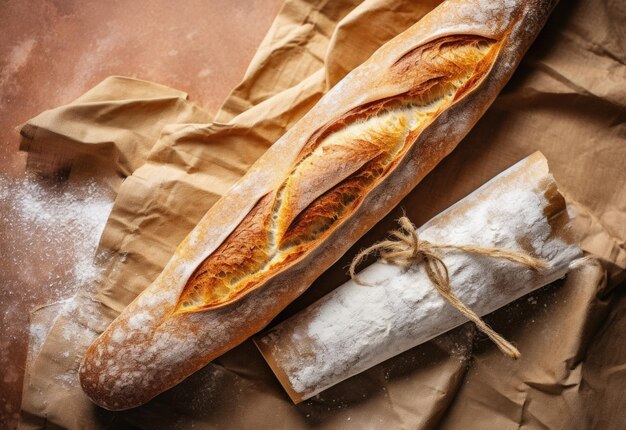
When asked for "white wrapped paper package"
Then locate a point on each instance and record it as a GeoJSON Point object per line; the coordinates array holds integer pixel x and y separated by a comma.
{"type": "Point", "coordinates": [358, 326]}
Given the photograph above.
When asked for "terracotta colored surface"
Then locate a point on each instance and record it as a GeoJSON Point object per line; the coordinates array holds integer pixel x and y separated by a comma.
{"type": "Point", "coordinates": [52, 51]}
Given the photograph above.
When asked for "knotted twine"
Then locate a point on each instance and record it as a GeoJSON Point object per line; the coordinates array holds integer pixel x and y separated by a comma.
{"type": "Point", "coordinates": [404, 248]}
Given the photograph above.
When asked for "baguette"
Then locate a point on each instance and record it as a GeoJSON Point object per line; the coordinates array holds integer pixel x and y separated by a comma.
{"type": "Point", "coordinates": [320, 187]}
{"type": "Point", "coordinates": [356, 327]}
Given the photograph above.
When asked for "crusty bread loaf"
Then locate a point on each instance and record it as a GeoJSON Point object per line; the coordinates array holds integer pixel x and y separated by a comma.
{"type": "Point", "coordinates": [338, 171]}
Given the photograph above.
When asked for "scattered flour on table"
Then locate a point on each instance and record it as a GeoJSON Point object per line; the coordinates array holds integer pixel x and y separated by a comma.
{"type": "Point", "coordinates": [54, 219]}
{"type": "Point", "coordinates": [49, 234]}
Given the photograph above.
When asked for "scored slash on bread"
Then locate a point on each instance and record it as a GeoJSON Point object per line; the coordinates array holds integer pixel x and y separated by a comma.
{"type": "Point", "coordinates": [364, 145]}
{"type": "Point", "coordinates": [319, 188]}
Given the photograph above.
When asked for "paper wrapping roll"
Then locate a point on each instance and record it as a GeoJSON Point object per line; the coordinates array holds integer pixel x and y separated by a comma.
{"type": "Point", "coordinates": [356, 327]}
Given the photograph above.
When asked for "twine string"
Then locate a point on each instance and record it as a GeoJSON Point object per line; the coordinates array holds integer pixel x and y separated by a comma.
{"type": "Point", "coordinates": [404, 248]}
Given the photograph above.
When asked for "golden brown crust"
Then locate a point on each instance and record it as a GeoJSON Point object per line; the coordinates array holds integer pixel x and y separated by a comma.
{"type": "Point", "coordinates": [244, 252]}
{"type": "Point", "coordinates": [336, 169]}
{"type": "Point", "coordinates": [401, 112]}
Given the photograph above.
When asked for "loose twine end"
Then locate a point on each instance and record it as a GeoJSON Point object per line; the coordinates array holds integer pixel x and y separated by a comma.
{"type": "Point", "coordinates": [404, 248]}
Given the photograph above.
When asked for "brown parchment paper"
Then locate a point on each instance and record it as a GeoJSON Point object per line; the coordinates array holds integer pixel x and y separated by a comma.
{"type": "Point", "coordinates": [567, 99]}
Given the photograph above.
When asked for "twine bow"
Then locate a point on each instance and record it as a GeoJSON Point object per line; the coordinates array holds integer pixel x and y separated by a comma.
{"type": "Point", "coordinates": [405, 248]}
